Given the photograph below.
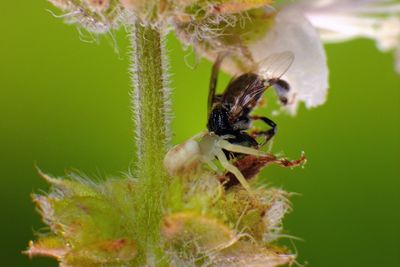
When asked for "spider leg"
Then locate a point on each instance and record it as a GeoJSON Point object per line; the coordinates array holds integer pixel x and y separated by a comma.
{"type": "Point", "coordinates": [239, 149]}
{"type": "Point", "coordinates": [199, 135]}
{"type": "Point", "coordinates": [232, 169]}
{"type": "Point", "coordinates": [269, 133]}
{"type": "Point", "coordinates": [211, 165]}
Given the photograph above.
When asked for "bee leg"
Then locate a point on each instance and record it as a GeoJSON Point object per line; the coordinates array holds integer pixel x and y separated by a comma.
{"type": "Point", "coordinates": [269, 133]}
{"type": "Point", "coordinates": [232, 169]}
{"type": "Point", "coordinates": [248, 140]}
{"type": "Point", "coordinates": [214, 81]}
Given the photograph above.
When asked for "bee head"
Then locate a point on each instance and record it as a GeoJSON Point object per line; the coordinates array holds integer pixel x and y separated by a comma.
{"type": "Point", "coordinates": [218, 121]}
{"type": "Point", "coordinates": [282, 89]}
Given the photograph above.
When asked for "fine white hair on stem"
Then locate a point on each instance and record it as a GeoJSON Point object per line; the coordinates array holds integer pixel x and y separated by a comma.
{"type": "Point", "coordinates": [136, 97]}
{"type": "Point", "coordinates": [135, 94]}
{"type": "Point", "coordinates": [166, 77]}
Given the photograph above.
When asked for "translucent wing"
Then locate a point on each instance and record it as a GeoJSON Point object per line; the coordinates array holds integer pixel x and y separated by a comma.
{"type": "Point", "coordinates": [251, 86]}
{"type": "Point", "coordinates": [271, 69]}
{"type": "Point", "coordinates": [275, 65]}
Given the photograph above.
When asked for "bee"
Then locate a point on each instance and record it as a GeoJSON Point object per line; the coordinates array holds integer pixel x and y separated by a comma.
{"type": "Point", "coordinates": [229, 120]}
{"type": "Point", "coordinates": [229, 113]}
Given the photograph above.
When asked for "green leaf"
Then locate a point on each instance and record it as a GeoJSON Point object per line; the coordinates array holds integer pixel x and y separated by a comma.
{"type": "Point", "coordinates": [197, 232]}
{"type": "Point", "coordinates": [120, 250]}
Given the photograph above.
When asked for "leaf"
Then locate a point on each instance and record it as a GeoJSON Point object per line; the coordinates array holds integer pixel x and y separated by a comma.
{"type": "Point", "coordinates": [50, 246]}
{"type": "Point", "coordinates": [250, 255]}
{"type": "Point", "coordinates": [197, 232]}
{"type": "Point", "coordinates": [93, 222]}
{"type": "Point", "coordinates": [70, 187]}
{"type": "Point", "coordinates": [84, 220]}
{"type": "Point", "coordinates": [103, 252]}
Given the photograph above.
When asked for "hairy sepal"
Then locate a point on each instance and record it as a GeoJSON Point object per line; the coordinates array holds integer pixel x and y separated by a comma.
{"type": "Point", "coordinates": [91, 223]}
{"type": "Point", "coordinates": [210, 225]}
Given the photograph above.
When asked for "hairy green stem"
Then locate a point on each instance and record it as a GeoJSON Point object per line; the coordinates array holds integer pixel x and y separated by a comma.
{"type": "Point", "coordinates": [150, 105]}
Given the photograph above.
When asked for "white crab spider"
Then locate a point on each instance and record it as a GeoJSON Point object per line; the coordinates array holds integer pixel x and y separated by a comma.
{"type": "Point", "coordinates": [204, 148]}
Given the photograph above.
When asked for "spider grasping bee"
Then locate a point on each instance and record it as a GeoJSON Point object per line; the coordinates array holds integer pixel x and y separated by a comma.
{"type": "Point", "coordinates": [229, 119]}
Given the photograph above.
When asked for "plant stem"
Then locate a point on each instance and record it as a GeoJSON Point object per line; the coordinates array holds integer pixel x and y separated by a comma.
{"type": "Point", "coordinates": [150, 105]}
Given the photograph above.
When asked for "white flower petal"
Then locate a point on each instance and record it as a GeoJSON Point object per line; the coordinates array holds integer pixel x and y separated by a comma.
{"type": "Point", "coordinates": [388, 35]}
{"type": "Point", "coordinates": [343, 20]}
{"type": "Point", "coordinates": [308, 76]}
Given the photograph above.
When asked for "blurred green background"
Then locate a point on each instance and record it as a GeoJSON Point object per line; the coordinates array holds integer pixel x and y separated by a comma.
{"type": "Point", "coordinates": [64, 104]}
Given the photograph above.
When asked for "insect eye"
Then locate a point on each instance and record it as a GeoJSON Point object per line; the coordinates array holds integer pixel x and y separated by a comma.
{"type": "Point", "coordinates": [283, 100]}
{"type": "Point", "coordinates": [282, 89]}
{"type": "Point", "coordinates": [281, 85]}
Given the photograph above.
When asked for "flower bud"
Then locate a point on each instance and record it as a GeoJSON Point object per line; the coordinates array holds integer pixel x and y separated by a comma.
{"type": "Point", "coordinates": [98, 16]}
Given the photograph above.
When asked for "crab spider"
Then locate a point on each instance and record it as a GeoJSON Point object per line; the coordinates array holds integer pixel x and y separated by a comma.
{"type": "Point", "coordinates": [204, 148]}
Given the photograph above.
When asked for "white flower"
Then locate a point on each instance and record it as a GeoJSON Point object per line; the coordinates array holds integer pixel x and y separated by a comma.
{"type": "Point", "coordinates": [308, 75]}
{"type": "Point", "coordinates": [295, 29]}
{"type": "Point", "coordinates": [300, 27]}
{"type": "Point", "coordinates": [344, 20]}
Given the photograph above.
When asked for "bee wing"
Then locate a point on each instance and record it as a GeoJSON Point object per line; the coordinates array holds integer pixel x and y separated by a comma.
{"type": "Point", "coordinates": [275, 65]}
{"type": "Point", "coordinates": [249, 96]}
{"type": "Point", "coordinates": [270, 69]}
